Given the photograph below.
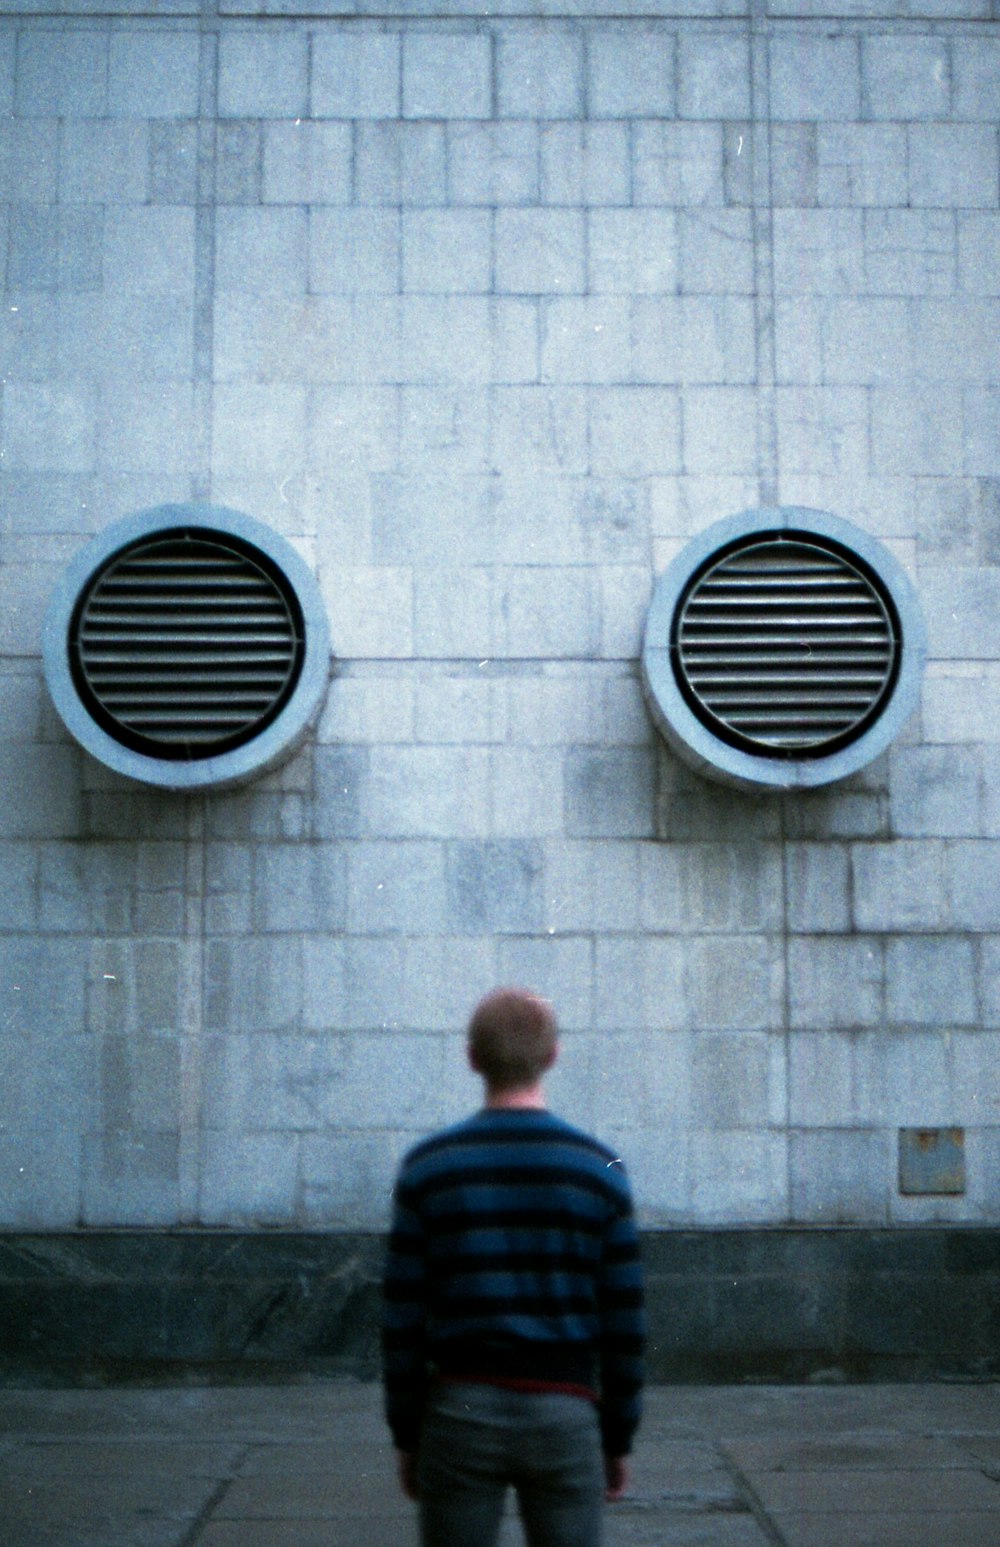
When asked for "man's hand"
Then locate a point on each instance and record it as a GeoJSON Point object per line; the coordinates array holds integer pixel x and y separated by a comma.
{"type": "Point", "coordinates": [616, 1475]}
{"type": "Point", "coordinates": [406, 1464]}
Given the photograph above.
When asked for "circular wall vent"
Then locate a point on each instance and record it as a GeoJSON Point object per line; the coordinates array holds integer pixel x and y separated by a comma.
{"type": "Point", "coordinates": [783, 649]}
{"type": "Point", "coordinates": [187, 647]}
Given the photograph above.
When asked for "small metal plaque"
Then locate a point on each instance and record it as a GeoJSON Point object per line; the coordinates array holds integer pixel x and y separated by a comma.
{"type": "Point", "coordinates": [931, 1161]}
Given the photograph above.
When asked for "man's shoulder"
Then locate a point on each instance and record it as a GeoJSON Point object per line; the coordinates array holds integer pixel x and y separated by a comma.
{"type": "Point", "coordinates": [542, 1132]}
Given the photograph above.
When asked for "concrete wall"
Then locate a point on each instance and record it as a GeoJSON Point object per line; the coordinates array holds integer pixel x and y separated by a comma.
{"type": "Point", "coordinates": [489, 317]}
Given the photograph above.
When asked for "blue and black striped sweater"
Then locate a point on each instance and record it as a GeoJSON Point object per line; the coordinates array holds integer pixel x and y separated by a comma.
{"type": "Point", "coordinates": [514, 1256]}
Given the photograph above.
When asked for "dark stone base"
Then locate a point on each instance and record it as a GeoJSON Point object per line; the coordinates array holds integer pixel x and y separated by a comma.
{"type": "Point", "coordinates": [724, 1305]}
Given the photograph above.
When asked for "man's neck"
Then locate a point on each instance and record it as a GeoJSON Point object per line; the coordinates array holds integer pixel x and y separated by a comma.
{"type": "Point", "coordinates": [527, 1098]}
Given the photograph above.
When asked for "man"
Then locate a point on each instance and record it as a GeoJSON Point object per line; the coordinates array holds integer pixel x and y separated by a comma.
{"type": "Point", "coordinates": [513, 1323]}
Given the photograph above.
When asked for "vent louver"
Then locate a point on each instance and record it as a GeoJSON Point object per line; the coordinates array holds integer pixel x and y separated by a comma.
{"type": "Point", "coordinates": [785, 647]}
{"type": "Point", "coordinates": [186, 644]}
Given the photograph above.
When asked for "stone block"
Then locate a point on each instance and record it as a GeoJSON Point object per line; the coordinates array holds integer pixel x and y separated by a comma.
{"type": "Point", "coordinates": [861, 164]}
{"type": "Point", "coordinates": [173, 163]}
{"type": "Point", "coordinates": [739, 1177]}
{"type": "Point", "coordinates": [527, 792]}
{"type": "Point", "coordinates": [625, 595]}
{"type": "Point", "coordinates": [355, 74]}
{"type": "Point", "coordinates": [130, 1179]}
{"type": "Point", "coordinates": [40, 1179]}
{"type": "Point", "coordinates": [259, 429]}
{"type": "Point", "coordinates": [457, 709]}
{"type": "Point", "coordinates": [899, 886]}
{"type": "Point", "coordinates": [547, 613]}
{"type": "Point", "coordinates": [713, 75]}
{"type": "Point", "coordinates": [340, 774]}
{"type": "Point", "coordinates": [979, 253]}
{"type": "Point", "coordinates": [29, 161]}
{"type": "Point", "coordinates": [931, 982]}
{"type": "Point", "coordinates": [561, 971]}
{"type": "Point", "coordinates": [238, 158]}
{"type": "Point", "coordinates": [18, 905]}
{"type": "Point", "coordinates": [818, 252]}
{"type": "Point", "coordinates": [104, 163]}
{"type": "Point", "coordinates": [249, 1179]}
{"type": "Point", "coordinates": [835, 983]}
{"type": "Point", "coordinates": [633, 251]}
{"type": "Point", "coordinates": [585, 163]}
{"type": "Point", "coordinates": [730, 1081]}
{"type": "Point", "coordinates": [49, 428]}
{"type": "Point", "coordinates": [817, 888]}
{"type": "Point", "coordinates": [154, 434]}
{"type": "Point", "coordinates": [307, 163]}
{"type": "Point", "coordinates": [446, 340]}
{"type": "Point", "coordinates": [903, 1079]}
{"type": "Point", "coordinates": [495, 885]}
{"type": "Point", "coordinates": [371, 610]}
{"type": "Point", "coordinates": [635, 431]}
{"type": "Point", "coordinates": [444, 431]}
{"type": "Point", "coordinates": [821, 1082]}
{"type": "Point", "coordinates": [953, 166]}
{"type": "Point", "coordinates": [354, 252]}
{"type": "Point", "coordinates": [651, 1088]}
{"type": "Point", "coordinates": [539, 72]}
{"type": "Point", "coordinates": [840, 1177]}
{"type": "Point", "coordinates": [632, 73]}
{"type": "Point", "coordinates": [975, 77]}
{"type": "Point", "coordinates": [814, 77]}
{"type": "Point", "coordinates": [973, 874]}
{"type": "Point", "coordinates": [982, 421]}
{"type": "Point", "coordinates": [493, 163]}
{"type": "Point", "coordinates": [347, 1179]}
{"type": "Point", "coordinates": [909, 252]}
{"type": "Point", "coordinates": [593, 886]}
{"type": "Point", "coordinates": [447, 251]}
{"type": "Point", "coordinates": [62, 74]}
{"type": "Point", "coordinates": [916, 431]}
{"type": "Point", "coordinates": [794, 168]}
{"type": "Point", "coordinates": [149, 250]}
{"type": "Point", "coordinates": [322, 983]}
{"type": "Point", "coordinates": [348, 426]}
{"type": "Point", "coordinates": [8, 63]}
{"type": "Point", "coordinates": [735, 982]}
{"type": "Point", "coordinates": [446, 75]}
{"type": "Point", "coordinates": [539, 429]}
{"type": "Point", "coordinates": [395, 888]}
{"type": "Point", "coordinates": [425, 520]}
{"type": "Point", "coordinates": [716, 254]}
{"type": "Point", "coordinates": [719, 430]}
{"type": "Point", "coordinates": [442, 977]}
{"type": "Point", "coordinates": [262, 249]}
{"type": "Point", "coordinates": [905, 76]}
{"type": "Point", "coordinates": [640, 983]}
{"type": "Point", "coordinates": [254, 985]}
{"type": "Point", "coordinates": [428, 792]}
{"type": "Point", "coordinates": [540, 252]}
{"type": "Point", "coordinates": [823, 431]}
{"type": "Point", "coordinates": [934, 792]}
{"type": "Point", "coordinates": [679, 164]}
{"type": "Point", "coordinates": [41, 791]}
{"type": "Point", "coordinates": [958, 603]}
{"type": "Point", "coordinates": [263, 74]}
{"type": "Point", "coordinates": [610, 794]}
{"type": "Point", "coordinates": [400, 163]}
{"type": "Point", "coordinates": [693, 340]}
{"type": "Point", "coordinates": [299, 887]}
{"type": "Point", "coordinates": [587, 340]}
{"type": "Point", "coordinates": [153, 74]}
{"type": "Point", "coordinates": [54, 249]}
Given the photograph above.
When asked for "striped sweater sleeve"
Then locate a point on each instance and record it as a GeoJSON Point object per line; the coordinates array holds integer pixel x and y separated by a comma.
{"type": "Point", "coordinates": [404, 1323]}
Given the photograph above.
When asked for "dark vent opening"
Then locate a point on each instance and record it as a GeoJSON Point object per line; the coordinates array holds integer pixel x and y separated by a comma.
{"type": "Point", "coordinates": [786, 645]}
{"type": "Point", "coordinates": [187, 644]}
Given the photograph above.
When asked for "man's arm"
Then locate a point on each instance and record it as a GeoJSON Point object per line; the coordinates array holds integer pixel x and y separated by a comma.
{"type": "Point", "coordinates": [622, 1339]}
{"type": "Point", "coordinates": [404, 1320]}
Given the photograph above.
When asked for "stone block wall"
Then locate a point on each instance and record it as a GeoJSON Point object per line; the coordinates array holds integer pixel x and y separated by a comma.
{"type": "Point", "coordinates": [489, 316]}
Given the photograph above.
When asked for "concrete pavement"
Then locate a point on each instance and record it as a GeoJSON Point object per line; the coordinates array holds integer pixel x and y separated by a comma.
{"type": "Point", "coordinates": [309, 1465]}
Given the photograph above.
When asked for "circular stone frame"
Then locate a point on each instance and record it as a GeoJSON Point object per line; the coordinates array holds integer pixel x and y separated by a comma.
{"type": "Point", "coordinates": [693, 741]}
{"type": "Point", "coordinates": [277, 740]}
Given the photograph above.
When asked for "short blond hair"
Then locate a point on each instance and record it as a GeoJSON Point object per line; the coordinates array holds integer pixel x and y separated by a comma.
{"type": "Point", "coordinates": [512, 1038]}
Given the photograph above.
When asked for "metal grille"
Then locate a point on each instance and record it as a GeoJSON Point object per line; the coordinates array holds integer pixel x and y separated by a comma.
{"type": "Point", "coordinates": [186, 644]}
{"type": "Point", "coordinates": [786, 647]}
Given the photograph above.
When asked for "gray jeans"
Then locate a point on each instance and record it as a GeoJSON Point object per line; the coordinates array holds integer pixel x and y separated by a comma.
{"type": "Point", "coordinates": [477, 1440]}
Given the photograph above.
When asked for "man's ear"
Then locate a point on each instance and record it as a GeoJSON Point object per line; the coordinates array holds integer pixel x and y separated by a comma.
{"type": "Point", "coordinates": [553, 1054]}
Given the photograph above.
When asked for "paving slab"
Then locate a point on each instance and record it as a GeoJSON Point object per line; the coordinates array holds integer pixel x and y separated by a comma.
{"type": "Point", "coordinates": [310, 1465]}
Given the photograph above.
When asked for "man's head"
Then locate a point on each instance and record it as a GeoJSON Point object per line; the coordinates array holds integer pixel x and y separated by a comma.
{"type": "Point", "coordinates": [512, 1038]}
